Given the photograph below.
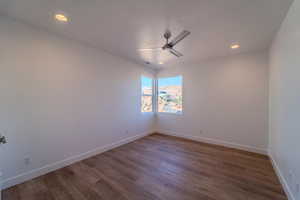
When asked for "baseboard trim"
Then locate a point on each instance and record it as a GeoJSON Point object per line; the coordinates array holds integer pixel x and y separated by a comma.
{"type": "Point", "coordinates": [282, 180]}
{"type": "Point", "coordinates": [63, 163]}
{"type": "Point", "coordinates": [216, 142]}
{"type": "Point", "coordinates": [0, 185]}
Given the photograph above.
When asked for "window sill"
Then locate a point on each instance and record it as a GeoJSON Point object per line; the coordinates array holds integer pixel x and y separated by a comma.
{"type": "Point", "coordinates": [147, 113]}
{"type": "Point", "coordinates": [169, 113]}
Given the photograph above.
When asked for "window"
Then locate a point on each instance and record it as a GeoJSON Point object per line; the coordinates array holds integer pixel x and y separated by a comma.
{"type": "Point", "coordinates": [169, 97]}
{"type": "Point", "coordinates": [147, 94]}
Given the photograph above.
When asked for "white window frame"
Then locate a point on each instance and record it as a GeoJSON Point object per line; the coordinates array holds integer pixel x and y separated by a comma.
{"type": "Point", "coordinates": [156, 96]}
{"type": "Point", "coordinates": [153, 94]}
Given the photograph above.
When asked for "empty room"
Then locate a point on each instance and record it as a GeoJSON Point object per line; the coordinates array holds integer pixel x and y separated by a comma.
{"type": "Point", "coordinates": [150, 100]}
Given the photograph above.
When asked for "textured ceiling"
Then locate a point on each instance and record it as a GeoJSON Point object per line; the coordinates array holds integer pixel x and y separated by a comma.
{"type": "Point", "coordinates": [123, 26]}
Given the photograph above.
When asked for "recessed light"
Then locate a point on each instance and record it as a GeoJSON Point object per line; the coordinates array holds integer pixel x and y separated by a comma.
{"type": "Point", "coordinates": [235, 46]}
{"type": "Point", "coordinates": [161, 63]}
{"type": "Point", "coordinates": [61, 18]}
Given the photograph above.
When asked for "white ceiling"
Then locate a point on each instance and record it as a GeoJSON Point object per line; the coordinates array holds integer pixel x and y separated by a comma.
{"type": "Point", "coordinates": [123, 26]}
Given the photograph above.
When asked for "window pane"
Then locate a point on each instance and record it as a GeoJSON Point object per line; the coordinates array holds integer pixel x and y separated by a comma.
{"type": "Point", "coordinates": [147, 86]}
{"type": "Point", "coordinates": [170, 94]}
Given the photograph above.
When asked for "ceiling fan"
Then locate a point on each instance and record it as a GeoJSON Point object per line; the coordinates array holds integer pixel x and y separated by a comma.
{"type": "Point", "coordinates": [169, 45]}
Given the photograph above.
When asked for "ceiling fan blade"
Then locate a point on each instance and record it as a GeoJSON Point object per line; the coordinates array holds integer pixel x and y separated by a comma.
{"type": "Point", "coordinates": [174, 52]}
{"type": "Point", "coordinates": [179, 37]}
{"type": "Point", "coordinates": [150, 49]}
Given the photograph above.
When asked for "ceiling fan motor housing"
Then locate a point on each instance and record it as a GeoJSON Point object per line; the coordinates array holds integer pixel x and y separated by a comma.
{"type": "Point", "coordinates": [167, 46]}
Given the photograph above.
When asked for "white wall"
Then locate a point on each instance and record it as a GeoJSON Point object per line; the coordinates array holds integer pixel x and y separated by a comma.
{"type": "Point", "coordinates": [60, 99]}
{"type": "Point", "coordinates": [226, 98]}
{"type": "Point", "coordinates": [285, 99]}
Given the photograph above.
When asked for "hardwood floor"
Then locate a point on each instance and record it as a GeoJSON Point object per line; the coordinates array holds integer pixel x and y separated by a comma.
{"type": "Point", "coordinates": [159, 167]}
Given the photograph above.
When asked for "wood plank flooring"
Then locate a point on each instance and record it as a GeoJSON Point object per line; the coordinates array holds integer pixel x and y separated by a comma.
{"type": "Point", "coordinates": [162, 168]}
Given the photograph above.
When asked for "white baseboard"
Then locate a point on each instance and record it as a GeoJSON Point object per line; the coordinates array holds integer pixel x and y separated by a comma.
{"type": "Point", "coordinates": [60, 164]}
{"type": "Point", "coordinates": [0, 185]}
{"type": "Point", "coordinates": [216, 142]}
{"type": "Point", "coordinates": [63, 163]}
{"type": "Point", "coordinates": [282, 180]}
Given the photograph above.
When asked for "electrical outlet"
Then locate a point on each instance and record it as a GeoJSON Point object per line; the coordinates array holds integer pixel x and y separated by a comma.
{"type": "Point", "coordinates": [126, 132]}
{"type": "Point", "coordinates": [201, 132]}
{"type": "Point", "coordinates": [290, 176]}
{"type": "Point", "coordinates": [27, 160]}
